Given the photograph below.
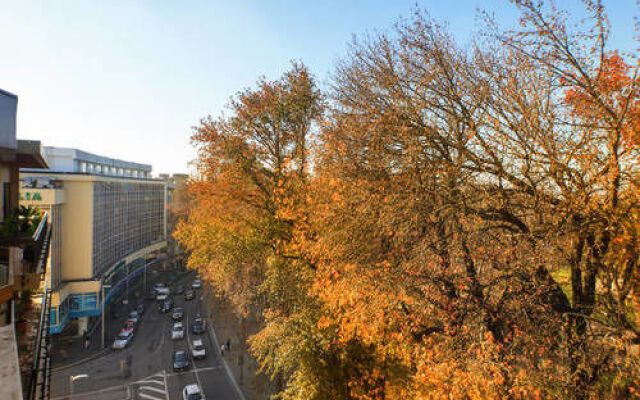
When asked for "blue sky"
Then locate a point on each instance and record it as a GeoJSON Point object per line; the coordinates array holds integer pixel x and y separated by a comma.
{"type": "Point", "coordinates": [128, 79]}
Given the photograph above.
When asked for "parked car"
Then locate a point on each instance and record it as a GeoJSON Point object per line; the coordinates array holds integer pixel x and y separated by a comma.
{"type": "Point", "coordinates": [134, 316]}
{"type": "Point", "coordinates": [165, 306]}
{"type": "Point", "coordinates": [159, 285]}
{"type": "Point", "coordinates": [179, 289]}
{"type": "Point", "coordinates": [140, 308]}
{"type": "Point", "coordinates": [192, 392]}
{"type": "Point", "coordinates": [198, 350]}
{"type": "Point", "coordinates": [189, 295]}
{"type": "Point", "coordinates": [180, 361]}
{"type": "Point", "coordinates": [177, 332]}
{"type": "Point", "coordinates": [151, 295]}
{"type": "Point", "coordinates": [177, 314]}
{"type": "Point", "coordinates": [198, 325]}
{"type": "Point", "coordinates": [129, 326]}
{"type": "Point", "coordinates": [197, 284]}
{"type": "Point", "coordinates": [122, 340]}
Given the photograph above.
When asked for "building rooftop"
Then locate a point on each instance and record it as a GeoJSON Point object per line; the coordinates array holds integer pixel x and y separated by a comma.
{"type": "Point", "coordinates": [71, 160]}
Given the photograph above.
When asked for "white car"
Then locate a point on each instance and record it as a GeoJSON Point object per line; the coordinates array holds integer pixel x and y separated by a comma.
{"type": "Point", "coordinates": [197, 349]}
{"type": "Point", "coordinates": [134, 316]}
{"type": "Point", "coordinates": [197, 284]}
{"type": "Point", "coordinates": [162, 293]}
{"type": "Point", "coordinates": [192, 392]}
{"type": "Point", "coordinates": [122, 340]}
{"type": "Point", "coordinates": [177, 332]}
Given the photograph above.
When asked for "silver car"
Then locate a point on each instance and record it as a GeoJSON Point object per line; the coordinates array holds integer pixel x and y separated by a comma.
{"type": "Point", "coordinates": [177, 332]}
{"type": "Point", "coordinates": [122, 340]}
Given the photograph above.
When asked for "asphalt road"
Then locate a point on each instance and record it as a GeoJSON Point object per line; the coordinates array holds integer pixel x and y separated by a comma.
{"type": "Point", "coordinates": [151, 354]}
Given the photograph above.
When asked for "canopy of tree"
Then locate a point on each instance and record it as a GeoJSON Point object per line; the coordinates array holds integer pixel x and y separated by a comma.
{"type": "Point", "coordinates": [445, 222]}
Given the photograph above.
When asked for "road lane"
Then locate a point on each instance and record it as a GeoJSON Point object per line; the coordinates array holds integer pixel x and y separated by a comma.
{"type": "Point", "coordinates": [152, 358]}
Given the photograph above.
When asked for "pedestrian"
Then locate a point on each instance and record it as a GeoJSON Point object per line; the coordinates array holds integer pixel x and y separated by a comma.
{"type": "Point", "coordinates": [222, 350]}
{"type": "Point", "coordinates": [228, 344]}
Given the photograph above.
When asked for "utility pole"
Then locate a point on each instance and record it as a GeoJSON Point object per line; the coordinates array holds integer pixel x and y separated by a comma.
{"type": "Point", "coordinates": [146, 265]}
{"type": "Point", "coordinates": [102, 311]}
{"type": "Point", "coordinates": [126, 301]}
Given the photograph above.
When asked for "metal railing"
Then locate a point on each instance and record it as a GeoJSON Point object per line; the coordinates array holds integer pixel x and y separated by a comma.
{"type": "Point", "coordinates": [40, 377]}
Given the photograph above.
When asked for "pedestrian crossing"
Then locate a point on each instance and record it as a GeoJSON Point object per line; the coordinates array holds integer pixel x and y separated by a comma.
{"type": "Point", "coordinates": [153, 387]}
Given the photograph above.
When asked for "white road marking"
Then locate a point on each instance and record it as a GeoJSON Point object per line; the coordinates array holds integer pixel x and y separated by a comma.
{"type": "Point", "coordinates": [151, 392]}
{"type": "Point", "coordinates": [159, 382]}
{"type": "Point", "coordinates": [193, 360]}
{"type": "Point", "coordinates": [164, 375]}
{"type": "Point", "coordinates": [153, 389]}
{"type": "Point", "coordinates": [148, 396]}
{"type": "Point", "coordinates": [193, 371]}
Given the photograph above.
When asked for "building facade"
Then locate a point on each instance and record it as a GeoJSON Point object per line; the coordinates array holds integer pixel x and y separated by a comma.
{"type": "Point", "coordinates": [106, 227]}
{"type": "Point", "coordinates": [19, 240]}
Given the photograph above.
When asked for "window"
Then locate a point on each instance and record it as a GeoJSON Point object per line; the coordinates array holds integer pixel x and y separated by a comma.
{"type": "Point", "coordinates": [75, 303]}
{"type": "Point", "coordinates": [53, 316]}
{"type": "Point", "coordinates": [83, 167]}
{"type": "Point", "coordinates": [91, 301]}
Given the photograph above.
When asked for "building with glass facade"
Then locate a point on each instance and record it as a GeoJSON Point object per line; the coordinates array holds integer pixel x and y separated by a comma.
{"type": "Point", "coordinates": [105, 229]}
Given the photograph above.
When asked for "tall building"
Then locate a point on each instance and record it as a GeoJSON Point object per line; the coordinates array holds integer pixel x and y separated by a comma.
{"type": "Point", "coordinates": [108, 218]}
{"type": "Point", "coordinates": [21, 238]}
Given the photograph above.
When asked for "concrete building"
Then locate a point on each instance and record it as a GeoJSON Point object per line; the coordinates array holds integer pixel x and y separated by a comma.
{"type": "Point", "coordinates": [108, 218]}
{"type": "Point", "coordinates": [18, 237]}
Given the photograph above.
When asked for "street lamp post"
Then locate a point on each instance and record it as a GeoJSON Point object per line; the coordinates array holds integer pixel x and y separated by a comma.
{"type": "Point", "coordinates": [102, 313]}
{"type": "Point", "coordinates": [72, 378]}
{"type": "Point", "coordinates": [127, 285]}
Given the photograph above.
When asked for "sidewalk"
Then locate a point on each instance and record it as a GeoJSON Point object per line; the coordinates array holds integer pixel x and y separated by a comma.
{"type": "Point", "coordinates": [228, 326]}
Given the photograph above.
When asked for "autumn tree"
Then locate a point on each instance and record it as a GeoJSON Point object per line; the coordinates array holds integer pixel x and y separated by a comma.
{"type": "Point", "coordinates": [459, 184]}
{"type": "Point", "coordinates": [465, 224]}
{"type": "Point", "coordinates": [248, 222]}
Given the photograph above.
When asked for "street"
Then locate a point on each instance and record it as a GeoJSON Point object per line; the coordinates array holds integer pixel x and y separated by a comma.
{"type": "Point", "coordinates": [151, 361]}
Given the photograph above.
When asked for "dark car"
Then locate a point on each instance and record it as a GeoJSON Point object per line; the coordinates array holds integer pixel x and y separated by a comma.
{"type": "Point", "coordinates": [198, 325]}
{"type": "Point", "coordinates": [180, 361]}
{"type": "Point", "coordinates": [140, 309]}
{"type": "Point", "coordinates": [151, 295]}
{"type": "Point", "coordinates": [189, 295]}
{"type": "Point", "coordinates": [179, 289]}
{"type": "Point", "coordinates": [165, 306]}
{"type": "Point", "coordinates": [177, 314]}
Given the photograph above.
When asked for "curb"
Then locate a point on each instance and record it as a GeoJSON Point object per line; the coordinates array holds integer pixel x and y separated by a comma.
{"type": "Point", "coordinates": [212, 333]}
{"type": "Point", "coordinates": [84, 360]}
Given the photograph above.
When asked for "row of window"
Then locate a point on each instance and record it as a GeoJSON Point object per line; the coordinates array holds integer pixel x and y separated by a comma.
{"type": "Point", "coordinates": [126, 218]}
{"type": "Point", "coordinates": [95, 168]}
